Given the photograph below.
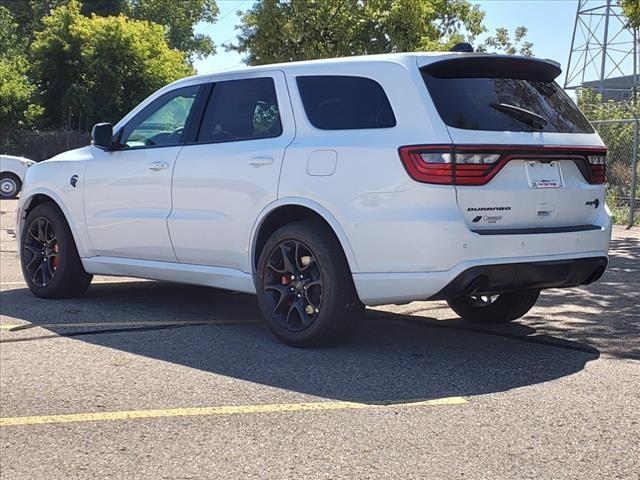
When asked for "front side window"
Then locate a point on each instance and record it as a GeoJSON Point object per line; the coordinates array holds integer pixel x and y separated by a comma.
{"type": "Point", "coordinates": [162, 123]}
{"type": "Point", "coordinates": [345, 102]}
{"type": "Point", "coordinates": [241, 110]}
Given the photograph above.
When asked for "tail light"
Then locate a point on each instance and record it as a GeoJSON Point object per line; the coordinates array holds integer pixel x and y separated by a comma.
{"type": "Point", "coordinates": [469, 165]}
{"type": "Point", "coordinates": [445, 166]}
{"type": "Point", "coordinates": [597, 168]}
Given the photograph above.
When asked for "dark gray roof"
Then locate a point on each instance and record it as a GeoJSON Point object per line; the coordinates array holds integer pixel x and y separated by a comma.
{"type": "Point", "coordinates": [614, 83]}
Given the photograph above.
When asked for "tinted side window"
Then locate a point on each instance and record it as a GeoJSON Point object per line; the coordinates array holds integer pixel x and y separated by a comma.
{"type": "Point", "coordinates": [342, 102]}
{"type": "Point", "coordinates": [241, 110]}
{"type": "Point", "coordinates": [162, 123]}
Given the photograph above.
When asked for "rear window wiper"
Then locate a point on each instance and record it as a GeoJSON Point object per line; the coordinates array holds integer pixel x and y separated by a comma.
{"type": "Point", "coordinates": [530, 118]}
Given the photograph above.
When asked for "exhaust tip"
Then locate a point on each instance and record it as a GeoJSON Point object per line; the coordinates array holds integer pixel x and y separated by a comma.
{"type": "Point", "coordinates": [597, 273]}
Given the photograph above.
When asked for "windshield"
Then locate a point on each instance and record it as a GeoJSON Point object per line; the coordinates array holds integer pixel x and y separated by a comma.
{"type": "Point", "coordinates": [470, 103]}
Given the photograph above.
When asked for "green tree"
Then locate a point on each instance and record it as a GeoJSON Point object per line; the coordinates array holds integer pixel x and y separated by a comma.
{"type": "Point", "coordinates": [502, 42]}
{"type": "Point", "coordinates": [631, 8]}
{"type": "Point", "coordinates": [180, 19]}
{"type": "Point", "coordinates": [103, 8]}
{"type": "Point", "coordinates": [286, 30]}
{"type": "Point", "coordinates": [11, 43]}
{"type": "Point", "coordinates": [16, 91]}
{"type": "Point", "coordinates": [29, 13]}
{"type": "Point", "coordinates": [98, 68]}
{"type": "Point", "coordinates": [591, 104]}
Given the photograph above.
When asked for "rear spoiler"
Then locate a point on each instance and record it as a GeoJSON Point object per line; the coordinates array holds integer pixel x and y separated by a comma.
{"type": "Point", "coordinates": [494, 66]}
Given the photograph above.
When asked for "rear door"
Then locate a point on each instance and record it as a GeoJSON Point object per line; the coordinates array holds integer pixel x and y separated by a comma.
{"type": "Point", "coordinates": [224, 180]}
{"type": "Point", "coordinates": [511, 107]}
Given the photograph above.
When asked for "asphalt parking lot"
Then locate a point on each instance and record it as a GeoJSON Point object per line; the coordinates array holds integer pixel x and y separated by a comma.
{"type": "Point", "coordinates": [142, 379]}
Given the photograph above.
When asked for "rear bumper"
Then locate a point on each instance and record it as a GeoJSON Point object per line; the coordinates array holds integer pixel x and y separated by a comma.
{"type": "Point", "coordinates": [496, 275]}
{"type": "Point", "coordinates": [501, 278]}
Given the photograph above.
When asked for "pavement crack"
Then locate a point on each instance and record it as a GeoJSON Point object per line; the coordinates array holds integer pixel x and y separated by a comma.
{"type": "Point", "coordinates": [100, 332]}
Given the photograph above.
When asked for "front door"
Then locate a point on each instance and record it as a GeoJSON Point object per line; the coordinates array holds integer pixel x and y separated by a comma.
{"type": "Point", "coordinates": [128, 191]}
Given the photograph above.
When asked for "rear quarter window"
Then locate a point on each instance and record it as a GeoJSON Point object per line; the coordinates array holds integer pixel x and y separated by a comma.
{"type": "Point", "coordinates": [345, 102]}
{"type": "Point", "coordinates": [245, 109]}
{"type": "Point", "coordinates": [475, 104]}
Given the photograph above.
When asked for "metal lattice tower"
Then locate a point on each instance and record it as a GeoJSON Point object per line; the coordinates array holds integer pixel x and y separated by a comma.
{"type": "Point", "coordinates": [603, 47]}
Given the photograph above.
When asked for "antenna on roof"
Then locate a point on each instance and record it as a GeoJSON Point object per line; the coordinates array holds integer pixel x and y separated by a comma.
{"type": "Point", "coordinates": [462, 47]}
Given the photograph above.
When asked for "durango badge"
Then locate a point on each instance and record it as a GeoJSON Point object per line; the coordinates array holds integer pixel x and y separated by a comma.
{"type": "Point", "coordinates": [488, 209]}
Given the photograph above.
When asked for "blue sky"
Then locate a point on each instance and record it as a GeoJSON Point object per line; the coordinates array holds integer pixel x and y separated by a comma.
{"type": "Point", "coordinates": [550, 24]}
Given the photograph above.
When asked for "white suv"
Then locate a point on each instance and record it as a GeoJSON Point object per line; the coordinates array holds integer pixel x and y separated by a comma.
{"type": "Point", "coordinates": [328, 185]}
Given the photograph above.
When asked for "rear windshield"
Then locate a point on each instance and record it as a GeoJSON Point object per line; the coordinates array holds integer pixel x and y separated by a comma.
{"type": "Point", "coordinates": [505, 104]}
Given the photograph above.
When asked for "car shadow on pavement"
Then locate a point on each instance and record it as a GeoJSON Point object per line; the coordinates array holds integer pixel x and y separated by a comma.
{"type": "Point", "coordinates": [605, 314]}
{"type": "Point", "coordinates": [392, 358]}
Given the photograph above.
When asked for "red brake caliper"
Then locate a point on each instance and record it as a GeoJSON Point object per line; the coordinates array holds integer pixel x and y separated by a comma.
{"type": "Point", "coordinates": [285, 280]}
{"type": "Point", "coordinates": [54, 262]}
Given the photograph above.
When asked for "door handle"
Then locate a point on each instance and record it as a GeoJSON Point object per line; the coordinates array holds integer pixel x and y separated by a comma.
{"type": "Point", "coordinates": [260, 161]}
{"type": "Point", "coordinates": [157, 166]}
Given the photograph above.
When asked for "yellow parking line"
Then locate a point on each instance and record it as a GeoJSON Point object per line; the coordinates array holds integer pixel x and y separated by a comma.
{"type": "Point", "coordinates": [209, 411]}
{"type": "Point", "coordinates": [158, 323]}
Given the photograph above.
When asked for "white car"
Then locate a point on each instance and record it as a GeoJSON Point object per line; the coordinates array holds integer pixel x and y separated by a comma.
{"type": "Point", "coordinates": [12, 172]}
{"type": "Point", "coordinates": [324, 186]}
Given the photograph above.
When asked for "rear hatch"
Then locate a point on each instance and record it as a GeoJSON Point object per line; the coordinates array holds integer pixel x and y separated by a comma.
{"type": "Point", "coordinates": [523, 156]}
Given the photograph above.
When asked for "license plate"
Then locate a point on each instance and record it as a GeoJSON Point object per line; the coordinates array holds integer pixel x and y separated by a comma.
{"type": "Point", "coordinates": [543, 175]}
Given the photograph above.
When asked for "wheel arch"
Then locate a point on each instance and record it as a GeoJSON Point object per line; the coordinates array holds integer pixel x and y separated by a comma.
{"type": "Point", "coordinates": [289, 210]}
{"type": "Point", "coordinates": [42, 196]}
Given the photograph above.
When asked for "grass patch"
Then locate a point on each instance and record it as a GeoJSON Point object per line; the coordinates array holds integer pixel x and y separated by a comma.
{"type": "Point", "coordinates": [619, 208]}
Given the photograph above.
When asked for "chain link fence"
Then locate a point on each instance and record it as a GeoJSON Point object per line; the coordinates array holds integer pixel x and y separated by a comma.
{"type": "Point", "coordinates": [623, 168]}
{"type": "Point", "coordinates": [40, 145]}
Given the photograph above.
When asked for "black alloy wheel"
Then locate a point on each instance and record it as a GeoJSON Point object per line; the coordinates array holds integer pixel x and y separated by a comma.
{"type": "Point", "coordinates": [48, 254]}
{"type": "Point", "coordinates": [41, 252]}
{"type": "Point", "coordinates": [305, 288]}
{"type": "Point", "coordinates": [293, 285]}
{"type": "Point", "coordinates": [502, 308]}
{"type": "Point", "coordinates": [481, 300]}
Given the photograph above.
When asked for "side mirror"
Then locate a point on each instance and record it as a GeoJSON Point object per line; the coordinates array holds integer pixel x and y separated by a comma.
{"type": "Point", "coordinates": [102, 136]}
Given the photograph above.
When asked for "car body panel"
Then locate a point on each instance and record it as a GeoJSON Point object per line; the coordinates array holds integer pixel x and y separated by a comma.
{"type": "Point", "coordinates": [52, 179]}
{"type": "Point", "coordinates": [217, 277]}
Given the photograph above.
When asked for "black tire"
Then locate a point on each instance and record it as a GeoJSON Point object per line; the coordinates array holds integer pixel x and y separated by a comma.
{"type": "Point", "coordinates": [10, 185]}
{"type": "Point", "coordinates": [50, 262]}
{"type": "Point", "coordinates": [505, 308]}
{"type": "Point", "coordinates": [313, 314]}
